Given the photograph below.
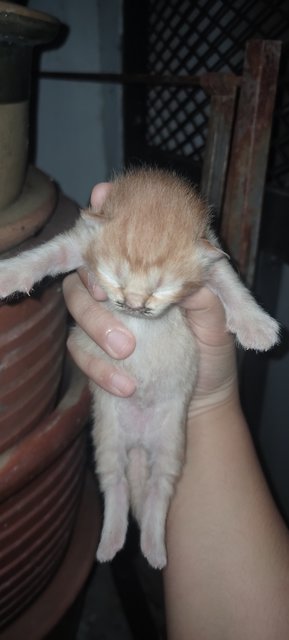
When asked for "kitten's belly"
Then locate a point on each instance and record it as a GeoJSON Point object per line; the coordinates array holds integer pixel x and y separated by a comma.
{"type": "Point", "coordinates": [164, 361]}
{"type": "Point", "coordinates": [137, 422]}
{"type": "Point", "coordinates": [165, 357]}
{"type": "Point", "coordinates": [164, 364]}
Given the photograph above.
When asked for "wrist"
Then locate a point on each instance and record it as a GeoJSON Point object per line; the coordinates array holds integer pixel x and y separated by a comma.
{"type": "Point", "coordinates": [218, 402]}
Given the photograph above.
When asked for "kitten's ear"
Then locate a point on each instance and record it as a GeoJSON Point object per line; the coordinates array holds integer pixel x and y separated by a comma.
{"type": "Point", "coordinates": [209, 253]}
{"type": "Point", "coordinates": [99, 194]}
{"type": "Point", "coordinates": [94, 214]}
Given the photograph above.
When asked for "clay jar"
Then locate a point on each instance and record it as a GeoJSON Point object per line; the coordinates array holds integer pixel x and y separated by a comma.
{"type": "Point", "coordinates": [20, 30]}
{"type": "Point", "coordinates": [42, 412]}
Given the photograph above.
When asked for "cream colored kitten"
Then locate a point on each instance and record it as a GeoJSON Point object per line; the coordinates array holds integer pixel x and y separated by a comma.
{"type": "Point", "coordinates": [147, 240]}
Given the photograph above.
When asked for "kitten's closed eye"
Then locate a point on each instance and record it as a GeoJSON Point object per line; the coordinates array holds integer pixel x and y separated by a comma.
{"type": "Point", "coordinates": [148, 303]}
{"type": "Point", "coordinates": [167, 291]}
{"type": "Point", "coordinates": [148, 293]}
{"type": "Point", "coordinates": [134, 310]}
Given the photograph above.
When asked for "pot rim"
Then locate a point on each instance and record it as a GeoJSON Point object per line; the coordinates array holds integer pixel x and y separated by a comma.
{"type": "Point", "coordinates": [23, 26]}
{"type": "Point", "coordinates": [36, 451]}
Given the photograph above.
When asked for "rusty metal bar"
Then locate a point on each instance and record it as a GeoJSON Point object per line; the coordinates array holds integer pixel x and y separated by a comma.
{"type": "Point", "coordinates": [249, 150]}
{"type": "Point", "coordinates": [217, 148]}
{"type": "Point", "coordinates": [246, 176]}
{"type": "Point", "coordinates": [220, 83]}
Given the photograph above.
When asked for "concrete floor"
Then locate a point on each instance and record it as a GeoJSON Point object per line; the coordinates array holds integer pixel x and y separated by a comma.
{"type": "Point", "coordinates": [123, 600]}
{"type": "Point", "coordinates": [102, 616]}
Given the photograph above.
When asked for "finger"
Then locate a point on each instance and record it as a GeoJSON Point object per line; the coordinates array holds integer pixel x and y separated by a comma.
{"type": "Point", "coordinates": [201, 300]}
{"type": "Point", "coordinates": [206, 316]}
{"type": "Point", "coordinates": [99, 194]}
{"type": "Point", "coordinates": [99, 323]}
{"type": "Point", "coordinates": [91, 284]}
{"type": "Point", "coordinates": [101, 372]}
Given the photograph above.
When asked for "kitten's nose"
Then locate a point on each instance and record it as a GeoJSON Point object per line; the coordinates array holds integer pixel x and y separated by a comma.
{"type": "Point", "coordinates": [135, 300]}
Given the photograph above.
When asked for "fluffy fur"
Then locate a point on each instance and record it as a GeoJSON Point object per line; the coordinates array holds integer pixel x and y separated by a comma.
{"type": "Point", "coordinates": [148, 242]}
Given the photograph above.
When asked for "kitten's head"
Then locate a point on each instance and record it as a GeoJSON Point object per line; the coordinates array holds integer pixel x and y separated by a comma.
{"type": "Point", "coordinates": [146, 247]}
{"type": "Point", "coordinates": [145, 292]}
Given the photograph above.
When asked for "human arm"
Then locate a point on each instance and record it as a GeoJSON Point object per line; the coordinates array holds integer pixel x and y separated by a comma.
{"type": "Point", "coordinates": [228, 549]}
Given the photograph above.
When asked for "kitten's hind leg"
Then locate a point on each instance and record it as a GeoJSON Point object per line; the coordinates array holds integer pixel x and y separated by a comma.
{"type": "Point", "coordinates": [166, 467]}
{"type": "Point", "coordinates": [111, 462]}
{"type": "Point", "coordinates": [115, 521]}
{"type": "Point", "coordinates": [153, 522]}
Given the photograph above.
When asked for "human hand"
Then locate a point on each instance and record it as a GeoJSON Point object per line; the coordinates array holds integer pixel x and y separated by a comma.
{"type": "Point", "coordinates": [217, 375]}
{"type": "Point", "coordinates": [83, 300]}
{"type": "Point", "coordinates": [217, 370]}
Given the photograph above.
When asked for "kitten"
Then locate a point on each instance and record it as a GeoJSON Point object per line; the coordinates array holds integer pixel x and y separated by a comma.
{"type": "Point", "coordinates": [148, 242]}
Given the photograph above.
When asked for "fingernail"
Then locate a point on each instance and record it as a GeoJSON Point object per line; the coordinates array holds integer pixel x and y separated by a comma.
{"type": "Point", "coordinates": [91, 280]}
{"type": "Point", "coordinates": [119, 343]}
{"type": "Point", "coordinates": [122, 384]}
{"type": "Point", "coordinates": [94, 288]}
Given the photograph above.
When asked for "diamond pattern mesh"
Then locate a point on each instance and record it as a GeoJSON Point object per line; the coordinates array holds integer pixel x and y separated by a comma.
{"type": "Point", "coordinates": [209, 35]}
{"type": "Point", "coordinates": [279, 153]}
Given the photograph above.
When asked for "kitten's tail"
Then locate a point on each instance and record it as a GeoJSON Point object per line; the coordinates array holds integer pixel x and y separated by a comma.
{"type": "Point", "coordinates": [137, 475]}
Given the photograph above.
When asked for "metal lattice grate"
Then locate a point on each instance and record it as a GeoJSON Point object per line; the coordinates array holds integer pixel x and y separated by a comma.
{"type": "Point", "coordinates": [278, 174]}
{"type": "Point", "coordinates": [190, 38]}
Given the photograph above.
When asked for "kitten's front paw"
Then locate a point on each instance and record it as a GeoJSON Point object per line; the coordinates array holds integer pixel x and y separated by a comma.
{"type": "Point", "coordinates": [256, 330]}
{"type": "Point", "coordinates": [13, 280]}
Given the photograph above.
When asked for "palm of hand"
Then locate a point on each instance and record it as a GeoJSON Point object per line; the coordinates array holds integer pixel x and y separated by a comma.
{"type": "Point", "coordinates": [217, 378]}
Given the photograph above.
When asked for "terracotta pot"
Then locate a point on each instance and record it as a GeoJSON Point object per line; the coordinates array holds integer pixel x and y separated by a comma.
{"type": "Point", "coordinates": [29, 212]}
{"type": "Point", "coordinates": [42, 449]}
{"type": "Point", "coordinates": [32, 342]}
{"type": "Point", "coordinates": [42, 453]}
{"type": "Point", "coordinates": [27, 198]}
{"type": "Point", "coordinates": [48, 609]}
{"type": "Point", "coordinates": [41, 479]}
